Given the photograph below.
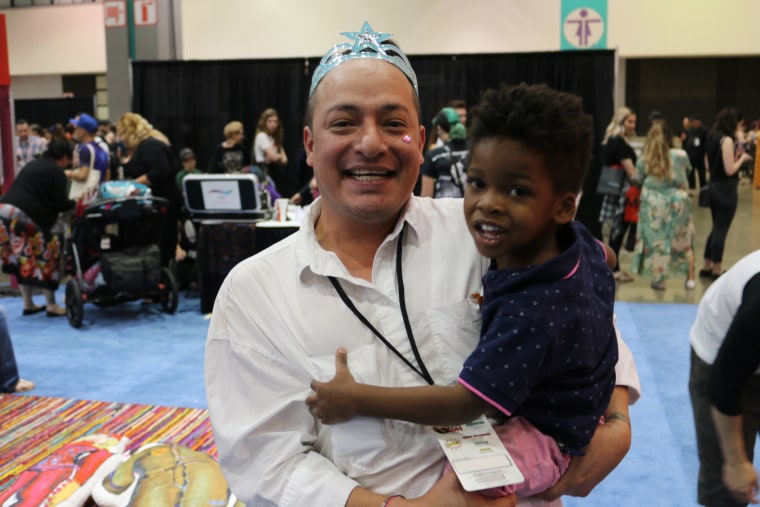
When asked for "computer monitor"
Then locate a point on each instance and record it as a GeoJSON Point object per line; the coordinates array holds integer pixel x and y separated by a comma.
{"type": "Point", "coordinates": [223, 196]}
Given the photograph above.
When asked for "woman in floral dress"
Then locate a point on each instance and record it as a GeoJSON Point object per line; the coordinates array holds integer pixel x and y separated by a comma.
{"type": "Point", "coordinates": [30, 233]}
{"type": "Point", "coordinates": [665, 236]}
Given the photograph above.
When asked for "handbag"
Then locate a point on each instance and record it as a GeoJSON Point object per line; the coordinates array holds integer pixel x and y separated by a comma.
{"type": "Point", "coordinates": [632, 204]}
{"type": "Point", "coordinates": [77, 189]}
{"type": "Point", "coordinates": [611, 180]}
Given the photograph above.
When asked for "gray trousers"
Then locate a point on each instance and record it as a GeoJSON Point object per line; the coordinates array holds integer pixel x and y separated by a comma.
{"type": "Point", "coordinates": [710, 489]}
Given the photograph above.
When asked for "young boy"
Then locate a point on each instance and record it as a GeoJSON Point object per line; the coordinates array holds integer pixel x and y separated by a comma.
{"type": "Point", "coordinates": [547, 351]}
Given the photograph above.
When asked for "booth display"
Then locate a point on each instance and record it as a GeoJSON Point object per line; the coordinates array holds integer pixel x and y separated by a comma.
{"type": "Point", "coordinates": [232, 218]}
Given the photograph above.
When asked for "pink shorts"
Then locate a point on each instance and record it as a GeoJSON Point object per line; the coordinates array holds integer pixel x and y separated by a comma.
{"type": "Point", "coordinates": [536, 455]}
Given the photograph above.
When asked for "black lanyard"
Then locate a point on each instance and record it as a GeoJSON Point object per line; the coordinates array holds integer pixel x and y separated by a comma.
{"type": "Point", "coordinates": [421, 371]}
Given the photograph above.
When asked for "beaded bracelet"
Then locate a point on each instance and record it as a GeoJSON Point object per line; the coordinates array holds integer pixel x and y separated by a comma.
{"type": "Point", "coordinates": [387, 501]}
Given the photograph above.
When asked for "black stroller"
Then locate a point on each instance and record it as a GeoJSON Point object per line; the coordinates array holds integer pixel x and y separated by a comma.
{"type": "Point", "coordinates": [113, 256]}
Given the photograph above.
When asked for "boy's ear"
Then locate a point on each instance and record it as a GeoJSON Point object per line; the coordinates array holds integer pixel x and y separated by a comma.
{"type": "Point", "coordinates": [565, 211]}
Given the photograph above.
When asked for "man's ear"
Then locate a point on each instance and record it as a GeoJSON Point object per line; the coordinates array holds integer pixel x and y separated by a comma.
{"type": "Point", "coordinates": [422, 144]}
{"type": "Point", "coordinates": [308, 144]}
{"type": "Point", "coordinates": [565, 210]}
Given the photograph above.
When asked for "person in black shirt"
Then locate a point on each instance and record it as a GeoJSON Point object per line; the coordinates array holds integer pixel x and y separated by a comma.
{"type": "Point", "coordinates": [30, 241]}
{"type": "Point", "coordinates": [229, 157]}
{"type": "Point", "coordinates": [723, 164]}
{"type": "Point", "coordinates": [150, 161]}
{"type": "Point", "coordinates": [724, 385]}
{"type": "Point", "coordinates": [618, 152]}
{"type": "Point", "coordinates": [694, 144]}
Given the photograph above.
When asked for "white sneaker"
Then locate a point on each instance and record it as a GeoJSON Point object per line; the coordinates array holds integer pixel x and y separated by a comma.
{"type": "Point", "coordinates": [690, 284]}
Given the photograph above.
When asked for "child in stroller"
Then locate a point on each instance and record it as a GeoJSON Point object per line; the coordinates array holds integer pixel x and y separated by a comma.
{"type": "Point", "coordinates": [113, 254]}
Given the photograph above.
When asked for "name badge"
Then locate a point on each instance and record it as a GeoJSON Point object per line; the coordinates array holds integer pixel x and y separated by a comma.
{"type": "Point", "coordinates": [477, 455]}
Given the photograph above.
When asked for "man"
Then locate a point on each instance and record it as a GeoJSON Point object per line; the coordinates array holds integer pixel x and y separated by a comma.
{"type": "Point", "coordinates": [364, 272]}
{"type": "Point", "coordinates": [92, 156]}
{"type": "Point", "coordinates": [694, 144]}
{"type": "Point", "coordinates": [460, 106]}
{"type": "Point", "coordinates": [27, 146]}
{"type": "Point", "coordinates": [724, 385]}
{"type": "Point", "coordinates": [443, 170]}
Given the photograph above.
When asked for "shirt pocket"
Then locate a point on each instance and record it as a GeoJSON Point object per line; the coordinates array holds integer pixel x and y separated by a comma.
{"type": "Point", "coordinates": [362, 445]}
{"type": "Point", "coordinates": [455, 330]}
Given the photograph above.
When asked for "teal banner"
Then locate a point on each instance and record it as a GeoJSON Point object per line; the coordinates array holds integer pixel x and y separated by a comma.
{"type": "Point", "coordinates": [583, 24]}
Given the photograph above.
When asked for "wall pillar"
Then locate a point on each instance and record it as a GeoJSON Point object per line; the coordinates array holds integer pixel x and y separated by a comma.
{"type": "Point", "coordinates": [148, 33]}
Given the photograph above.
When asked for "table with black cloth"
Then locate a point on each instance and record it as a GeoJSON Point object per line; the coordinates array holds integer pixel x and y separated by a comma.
{"type": "Point", "coordinates": [222, 244]}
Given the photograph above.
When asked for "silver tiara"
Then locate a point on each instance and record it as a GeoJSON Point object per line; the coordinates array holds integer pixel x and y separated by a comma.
{"type": "Point", "coordinates": [366, 43]}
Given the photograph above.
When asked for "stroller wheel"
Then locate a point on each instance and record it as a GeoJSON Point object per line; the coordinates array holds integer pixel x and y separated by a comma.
{"type": "Point", "coordinates": [74, 303]}
{"type": "Point", "coordinates": [169, 294]}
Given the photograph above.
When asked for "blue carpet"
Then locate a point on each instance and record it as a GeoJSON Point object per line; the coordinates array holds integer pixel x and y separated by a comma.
{"type": "Point", "coordinates": [132, 353]}
{"type": "Point", "coordinates": [135, 353]}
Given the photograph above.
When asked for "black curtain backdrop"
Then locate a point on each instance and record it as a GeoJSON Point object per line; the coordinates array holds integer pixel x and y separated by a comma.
{"type": "Point", "coordinates": [191, 101]}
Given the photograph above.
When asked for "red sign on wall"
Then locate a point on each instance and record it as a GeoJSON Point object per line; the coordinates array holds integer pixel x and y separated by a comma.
{"type": "Point", "coordinates": [115, 13]}
{"type": "Point", "coordinates": [146, 12]}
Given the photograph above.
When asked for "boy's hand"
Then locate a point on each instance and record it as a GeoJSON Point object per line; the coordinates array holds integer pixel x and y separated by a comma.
{"type": "Point", "coordinates": [333, 401]}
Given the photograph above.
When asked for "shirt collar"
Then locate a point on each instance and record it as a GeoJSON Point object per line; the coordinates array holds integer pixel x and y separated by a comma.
{"type": "Point", "coordinates": [312, 257]}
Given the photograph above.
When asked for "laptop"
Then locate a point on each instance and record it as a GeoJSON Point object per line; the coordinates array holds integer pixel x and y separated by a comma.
{"type": "Point", "coordinates": [223, 197]}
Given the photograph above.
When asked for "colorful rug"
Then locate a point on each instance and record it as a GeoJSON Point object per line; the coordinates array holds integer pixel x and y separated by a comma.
{"type": "Point", "coordinates": [31, 427]}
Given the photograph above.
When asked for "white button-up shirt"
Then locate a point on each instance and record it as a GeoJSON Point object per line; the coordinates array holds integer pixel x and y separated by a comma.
{"type": "Point", "coordinates": [276, 325]}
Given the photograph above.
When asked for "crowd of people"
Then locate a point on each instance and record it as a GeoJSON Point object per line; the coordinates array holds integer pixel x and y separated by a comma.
{"type": "Point", "coordinates": [663, 180]}
{"type": "Point", "coordinates": [419, 342]}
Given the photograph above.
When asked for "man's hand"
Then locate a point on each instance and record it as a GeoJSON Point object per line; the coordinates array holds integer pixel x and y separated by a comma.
{"type": "Point", "coordinates": [739, 476]}
{"type": "Point", "coordinates": [333, 401]}
{"type": "Point", "coordinates": [607, 448]}
{"type": "Point", "coordinates": [741, 481]}
{"type": "Point", "coordinates": [447, 492]}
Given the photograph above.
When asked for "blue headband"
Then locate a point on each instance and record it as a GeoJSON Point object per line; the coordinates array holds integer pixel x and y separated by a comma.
{"type": "Point", "coordinates": [367, 43]}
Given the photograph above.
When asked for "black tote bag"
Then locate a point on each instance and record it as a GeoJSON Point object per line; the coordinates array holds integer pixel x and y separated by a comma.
{"type": "Point", "coordinates": [611, 180]}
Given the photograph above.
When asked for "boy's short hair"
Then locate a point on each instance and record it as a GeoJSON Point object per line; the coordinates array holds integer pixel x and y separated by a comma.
{"type": "Point", "coordinates": [551, 122]}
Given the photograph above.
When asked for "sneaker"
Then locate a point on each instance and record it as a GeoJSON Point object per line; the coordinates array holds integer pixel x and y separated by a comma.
{"type": "Point", "coordinates": [690, 284]}
{"type": "Point", "coordinates": [705, 273]}
{"type": "Point", "coordinates": [657, 285]}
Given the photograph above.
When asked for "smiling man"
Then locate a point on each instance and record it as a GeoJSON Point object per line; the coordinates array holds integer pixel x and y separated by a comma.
{"type": "Point", "coordinates": [375, 270]}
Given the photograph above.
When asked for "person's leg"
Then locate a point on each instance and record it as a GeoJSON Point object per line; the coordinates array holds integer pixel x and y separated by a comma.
{"type": "Point", "coordinates": [726, 199]}
{"type": "Point", "coordinates": [699, 168]}
{"type": "Point", "coordinates": [536, 455]}
{"type": "Point", "coordinates": [53, 309]}
{"type": "Point", "coordinates": [10, 382]}
{"type": "Point", "coordinates": [710, 489]}
{"type": "Point", "coordinates": [616, 236]}
{"type": "Point", "coordinates": [707, 263]}
{"type": "Point", "coordinates": [168, 240]}
{"type": "Point", "coordinates": [690, 281]}
{"type": "Point", "coordinates": [618, 232]}
{"type": "Point", "coordinates": [26, 296]}
{"type": "Point", "coordinates": [630, 242]}
{"type": "Point", "coordinates": [691, 177]}
{"type": "Point", "coordinates": [8, 369]}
